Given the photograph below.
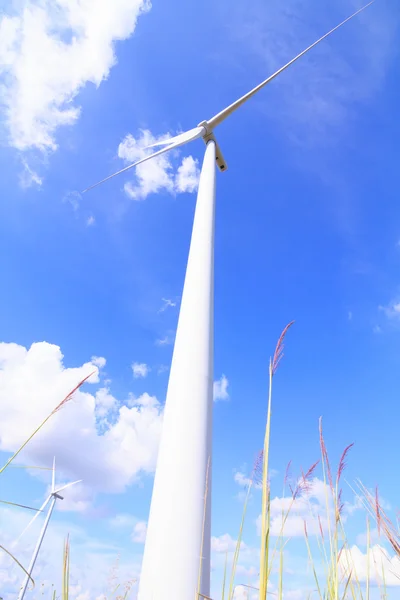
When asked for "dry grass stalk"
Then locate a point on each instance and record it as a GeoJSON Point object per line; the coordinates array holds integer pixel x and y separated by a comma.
{"type": "Point", "coordinates": [18, 563]}
{"type": "Point", "coordinates": [254, 480]}
{"type": "Point", "coordinates": [65, 572]}
{"type": "Point", "coordinates": [265, 503]}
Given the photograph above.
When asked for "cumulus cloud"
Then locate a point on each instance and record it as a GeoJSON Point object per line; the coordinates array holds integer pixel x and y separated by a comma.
{"type": "Point", "coordinates": [125, 521]}
{"type": "Point", "coordinates": [380, 562]}
{"type": "Point", "coordinates": [391, 310]}
{"type": "Point", "coordinates": [225, 543]}
{"type": "Point", "coordinates": [309, 508]}
{"type": "Point", "coordinates": [99, 361]}
{"type": "Point", "coordinates": [139, 532]}
{"type": "Point", "coordinates": [48, 52]}
{"type": "Point", "coordinates": [157, 174]}
{"type": "Point", "coordinates": [221, 389]}
{"type": "Point", "coordinates": [112, 442]}
{"type": "Point", "coordinates": [140, 370]}
{"type": "Point", "coordinates": [242, 592]}
{"type": "Point", "coordinates": [187, 175]}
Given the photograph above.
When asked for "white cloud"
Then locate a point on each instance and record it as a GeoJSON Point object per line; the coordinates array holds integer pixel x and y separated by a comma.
{"type": "Point", "coordinates": [90, 221]}
{"type": "Point", "coordinates": [48, 52]}
{"type": "Point", "coordinates": [244, 481]}
{"type": "Point", "coordinates": [167, 303]}
{"type": "Point", "coordinates": [247, 572]}
{"type": "Point", "coordinates": [112, 443]}
{"type": "Point", "coordinates": [380, 562]}
{"type": "Point", "coordinates": [242, 592]}
{"type": "Point", "coordinates": [221, 389]}
{"type": "Point", "coordinates": [123, 520]}
{"type": "Point", "coordinates": [225, 543]}
{"type": "Point", "coordinates": [157, 174]}
{"type": "Point", "coordinates": [140, 370]}
{"type": "Point", "coordinates": [139, 532]}
{"type": "Point", "coordinates": [28, 176]}
{"type": "Point", "coordinates": [392, 310]}
{"type": "Point", "coordinates": [308, 507]}
{"type": "Point", "coordinates": [99, 361]}
{"type": "Point", "coordinates": [166, 340]}
{"type": "Point", "coordinates": [362, 538]}
{"type": "Point", "coordinates": [105, 402]}
{"type": "Point", "coordinates": [187, 175]}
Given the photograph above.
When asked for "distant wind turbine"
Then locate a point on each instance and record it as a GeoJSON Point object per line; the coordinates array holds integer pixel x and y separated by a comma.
{"type": "Point", "coordinates": [176, 561]}
{"type": "Point", "coordinates": [52, 498]}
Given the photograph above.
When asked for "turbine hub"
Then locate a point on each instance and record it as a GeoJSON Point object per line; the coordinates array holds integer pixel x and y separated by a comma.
{"type": "Point", "coordinates": [209, 135]}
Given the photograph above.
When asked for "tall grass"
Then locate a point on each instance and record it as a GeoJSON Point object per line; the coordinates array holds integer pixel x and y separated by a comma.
{"type": "Point", "coordinates": [332, 557]}
{"type": "Point", "coordinates": [328, 550]}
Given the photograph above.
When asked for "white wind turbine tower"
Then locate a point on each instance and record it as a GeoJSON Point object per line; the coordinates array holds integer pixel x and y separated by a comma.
{"type": "Point", "coordinates": [176, 561]}
{"type": "Point", "coordinates": [52, 498]}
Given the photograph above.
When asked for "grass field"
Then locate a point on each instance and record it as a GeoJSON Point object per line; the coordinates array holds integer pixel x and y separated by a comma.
{"type": "Point", "coordinates": [329, 551]}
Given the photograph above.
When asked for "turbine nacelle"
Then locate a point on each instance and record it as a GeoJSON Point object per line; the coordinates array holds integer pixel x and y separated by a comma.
{"type": "Point", "coordinates": [208, 136]}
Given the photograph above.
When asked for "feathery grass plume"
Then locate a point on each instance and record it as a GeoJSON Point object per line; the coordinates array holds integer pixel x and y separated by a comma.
{"type": "Point", "coordinates": [265, 504]}
{"type": "Point", "coordinates": [279, 350]}
{"type": "Point", "coordinates": [288, 474]}
{"type": "Point", "coordinates": [325, 458]}
{"type": "Point", "coordinates": [304, 485]}
{"type": "Point", "coordinates": [341, 577]}
{"type": "Point", "coordinates": [343, 462]}
{"type": "Point", "coordinates": [55, 410]}
{"type": "Point", "coordinates": [254, 479]}
{"type": "Point", "coordinates": [384, 524]}
{"type": "Point", "coordinates": [127, 589]}
{"type": "Point", "coordinates": [377, 509]}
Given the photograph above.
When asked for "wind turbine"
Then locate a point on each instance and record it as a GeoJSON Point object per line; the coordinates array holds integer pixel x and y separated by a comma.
{"type": "Point", "coordinates": [176, 561]}
{"type": "Point", "coordinates": [52, 498]}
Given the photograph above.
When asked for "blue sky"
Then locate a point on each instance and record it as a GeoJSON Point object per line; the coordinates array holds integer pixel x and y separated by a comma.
{"type": "Point", "coordinates": [307, 229]}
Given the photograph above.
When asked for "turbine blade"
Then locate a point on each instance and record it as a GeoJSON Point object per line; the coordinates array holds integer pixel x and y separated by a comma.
{"type": "Point", "coordinates": [179, 140]}
{"type": "Point", "coordinates": [41, 509]}
{"type": "Point", "coordinates": [65, 486]}
{"type": "Point", "coordinates": [184, 138]}
{"type": "Point", "coordinates": [221, 116]}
